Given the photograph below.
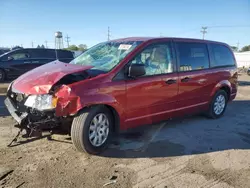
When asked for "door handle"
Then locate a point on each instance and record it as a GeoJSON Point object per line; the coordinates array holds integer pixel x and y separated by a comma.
{"type": "Point", "coordinates": [186, 79]}
{"type": "Point", "coordinates": [171, 81]}
{"type": "Point", "coordinates": [202, 81]}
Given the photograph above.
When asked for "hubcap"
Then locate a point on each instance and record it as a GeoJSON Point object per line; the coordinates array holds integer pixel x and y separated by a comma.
{"type": "Point", "coordinates": [219, 105]}
{"type": "Point", "coordinates": [99, 130]}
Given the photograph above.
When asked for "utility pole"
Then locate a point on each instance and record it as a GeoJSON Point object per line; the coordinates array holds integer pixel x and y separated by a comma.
{"type": "Point", "coordinates": [203, 31]}
{"type": "Point", "coordinates": [67, 40]}
{"type": "Point", "coordinates": [108, 34]}
{"type": "Point", "coordinates": [32, 44]}
{"type": "Point", "coordinates": [46, 44]}
{"type": "Point", "coordinates": [238, 44]}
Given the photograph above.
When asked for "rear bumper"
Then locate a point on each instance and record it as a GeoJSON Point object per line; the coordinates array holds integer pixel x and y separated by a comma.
{"type": "Point", "coordinates": [14, 113]}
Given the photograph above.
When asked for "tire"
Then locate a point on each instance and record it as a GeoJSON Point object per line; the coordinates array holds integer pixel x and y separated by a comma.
{"type": "Point", "coordinates": [80, 130]}
{"type": "Point", "coordinates": [2, 75]}
{"type": "Point", "coordinates": [213, 113]}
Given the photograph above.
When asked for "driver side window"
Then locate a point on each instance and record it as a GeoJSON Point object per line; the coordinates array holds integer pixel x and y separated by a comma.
{"type": "Point", "coordinates": [157, 58]}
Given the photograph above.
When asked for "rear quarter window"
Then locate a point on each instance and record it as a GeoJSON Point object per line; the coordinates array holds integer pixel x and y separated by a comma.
{"type": "Point", "coordinates": [221, 56]}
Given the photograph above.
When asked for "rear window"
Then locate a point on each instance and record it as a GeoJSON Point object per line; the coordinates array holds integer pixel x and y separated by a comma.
{"type": "Point", "coordinates": [192, 56]}
{"type": "Point", "coordinates": [222, 56]}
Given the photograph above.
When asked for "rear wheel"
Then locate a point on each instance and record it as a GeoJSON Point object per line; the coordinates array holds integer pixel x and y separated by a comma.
{"type": "Point", "coordinates": [2, 75]}
{"type": "Point", "coordinates": [91, 131]}
{"type": "Point", "coordinates": [218, 104]}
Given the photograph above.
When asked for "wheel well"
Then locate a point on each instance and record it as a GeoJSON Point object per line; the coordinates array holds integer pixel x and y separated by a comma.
{"type": "Point", "coordinates": [227, 90]}
{"type": "Point", "coordinates": [114, 113]}
{"type": "Point", "coordinates": [116, 118]}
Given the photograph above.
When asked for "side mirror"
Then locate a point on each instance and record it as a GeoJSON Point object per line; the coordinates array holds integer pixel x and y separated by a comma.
{"type": "Point", "coordinates": [136, 70]}
{"type": "Point", "coordinates": [10, 58]}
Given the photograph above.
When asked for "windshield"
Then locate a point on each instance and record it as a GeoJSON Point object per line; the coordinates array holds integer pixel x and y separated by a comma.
{"type": "Point", "coordinates": [105, 56]}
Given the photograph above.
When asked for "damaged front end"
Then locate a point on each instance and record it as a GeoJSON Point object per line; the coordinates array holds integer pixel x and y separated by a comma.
{"type": "Point", "coordinates": [46, 101]}
{"type": "Point", "coordinates": [30, 119]}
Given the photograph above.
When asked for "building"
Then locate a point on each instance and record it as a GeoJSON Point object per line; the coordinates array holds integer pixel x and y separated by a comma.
{"type": "Point", "coordinates": [243, 59]}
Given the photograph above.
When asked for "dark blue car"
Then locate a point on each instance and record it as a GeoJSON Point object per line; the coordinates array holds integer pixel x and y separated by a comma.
{"type": "Point", "coordinates": [17, 62]}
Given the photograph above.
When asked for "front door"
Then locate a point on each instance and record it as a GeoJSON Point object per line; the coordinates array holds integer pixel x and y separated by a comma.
{"type": "Point", "coordinates": [194, 75]}
{"type": "Point", "coordinates": [152, 97]}
{"type": "Point", "coordinates": [19, 62]}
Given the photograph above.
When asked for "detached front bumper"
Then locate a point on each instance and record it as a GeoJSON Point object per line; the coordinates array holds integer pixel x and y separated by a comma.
{"type": "Point", "coordinates": [19, 117]}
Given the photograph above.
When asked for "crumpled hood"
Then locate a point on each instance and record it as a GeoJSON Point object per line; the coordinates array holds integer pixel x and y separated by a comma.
{"type": "Point", "coordinates": [41, 79]}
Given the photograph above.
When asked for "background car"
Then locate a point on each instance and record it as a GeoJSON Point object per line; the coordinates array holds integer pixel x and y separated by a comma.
{"type": "Point", "coordinates": [2, 51]}
{"type": "Point", "coordinates": [17, 62]}
{"type": "Point", "coordinates": [248, 71]}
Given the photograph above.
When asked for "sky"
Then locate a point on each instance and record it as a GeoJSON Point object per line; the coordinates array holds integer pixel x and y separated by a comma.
{"type": "Point", "coordinates": [87, 22]}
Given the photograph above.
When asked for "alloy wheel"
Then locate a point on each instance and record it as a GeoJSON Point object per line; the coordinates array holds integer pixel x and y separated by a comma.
{"type": "Point", "coordinates": [99, 130]}
{"type": "Point", "coordinates": [219, 104]}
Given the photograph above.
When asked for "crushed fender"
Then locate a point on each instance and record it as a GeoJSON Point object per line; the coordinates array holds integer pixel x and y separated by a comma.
{"type": "Point", "coordinates": [68, 102]}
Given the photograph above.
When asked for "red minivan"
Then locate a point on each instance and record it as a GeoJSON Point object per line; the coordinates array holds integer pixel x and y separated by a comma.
{"type": "Point", "coordinates": [124, 83]}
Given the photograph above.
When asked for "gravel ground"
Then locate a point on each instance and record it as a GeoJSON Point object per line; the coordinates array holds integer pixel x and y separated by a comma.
{"type": "Point", "coordinates": [190, 152]}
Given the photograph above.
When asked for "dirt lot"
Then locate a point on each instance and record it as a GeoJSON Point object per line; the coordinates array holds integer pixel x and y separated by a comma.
{"type": "Point", "coordinates": [192, 152]}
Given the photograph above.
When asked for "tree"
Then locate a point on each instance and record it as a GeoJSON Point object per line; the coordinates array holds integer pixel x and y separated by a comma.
{"type": "Point", "coordinates": [234, 48]}
{"type": "Point", "coordinates": [82, 47]}
{"type": "Point", "coordinates": [245, 48]}
{"type": "Point", "coordinates": [38, 46]}
{"type": "Point", "coordinates": [42, 46]}
{"type": "Point", "coordinates": [72, 48]}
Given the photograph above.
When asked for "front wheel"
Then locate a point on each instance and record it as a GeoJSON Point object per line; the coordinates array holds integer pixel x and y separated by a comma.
{"type": "Point", "coordinates": [91, 131]}
{"type": "Point", "coordinates": [218, 104]}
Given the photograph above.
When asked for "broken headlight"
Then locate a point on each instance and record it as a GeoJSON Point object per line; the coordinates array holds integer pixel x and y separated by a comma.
{"type": "Point", "coordinates": [41, 102]}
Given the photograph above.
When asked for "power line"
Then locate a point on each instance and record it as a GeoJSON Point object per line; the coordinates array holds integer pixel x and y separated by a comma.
{"type": "Point", "coordinates": [223, 26]}
{"type": "Point", "coordinates": [67, 39]}
{"type": "Point", "coordinates": [203, 31]}
{"type": "Point", "coordinates": [108, 34]}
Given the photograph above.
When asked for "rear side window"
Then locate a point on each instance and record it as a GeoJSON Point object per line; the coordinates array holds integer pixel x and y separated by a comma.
{"type": "Point", "coordinates": [222, 56]}
{"type": "Point", "coordinates": [64, 54]}
{"type": "Point", "coordinates": [51, 53]}
{"type": "Point", "coordinates": [192, 56]}
{"type": "Point", "coordinates": [38, 53]}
